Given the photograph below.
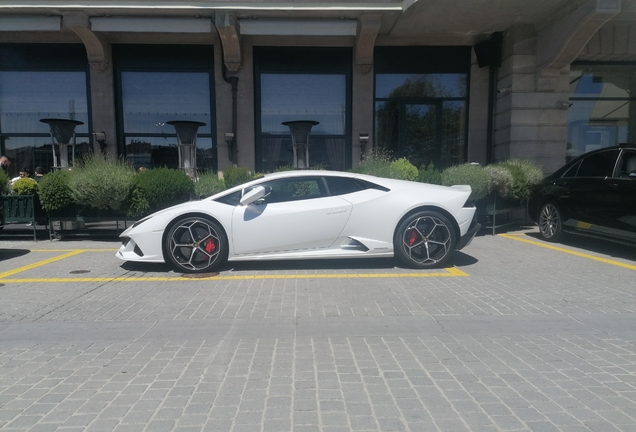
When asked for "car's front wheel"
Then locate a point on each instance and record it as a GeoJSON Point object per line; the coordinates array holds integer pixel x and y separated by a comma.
{"type": "Point", "coordinates": [196, 244]}
{"type": "Point", "coordinates": [425, 239]}
{"type": "Point", "coordinates": [550, 222]}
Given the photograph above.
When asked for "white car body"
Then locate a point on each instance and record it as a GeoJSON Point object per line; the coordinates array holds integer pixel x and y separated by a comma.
{"type": "Point", "coordinates": [357, 224]}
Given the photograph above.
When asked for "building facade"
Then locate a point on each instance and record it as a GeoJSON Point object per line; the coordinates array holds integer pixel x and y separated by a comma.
{"type": "Point", "coordinates": [435, 82]}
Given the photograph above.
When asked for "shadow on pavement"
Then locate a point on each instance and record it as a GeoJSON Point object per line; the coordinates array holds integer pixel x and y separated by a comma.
{"type": "Point", "coordinates": [7, 254]}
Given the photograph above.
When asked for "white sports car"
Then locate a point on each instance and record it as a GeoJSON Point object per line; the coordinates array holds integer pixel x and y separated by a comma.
{"type": "Point", "coordinates": [308, 215]}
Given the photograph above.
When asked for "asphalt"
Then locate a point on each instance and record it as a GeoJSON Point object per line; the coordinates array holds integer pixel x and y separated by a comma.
{"type": "Point", "coordinates": [514, 335]}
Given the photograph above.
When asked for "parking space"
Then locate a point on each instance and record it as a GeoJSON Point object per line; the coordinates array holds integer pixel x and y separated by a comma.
{"type": "Point", "coordinates": [515, 335]}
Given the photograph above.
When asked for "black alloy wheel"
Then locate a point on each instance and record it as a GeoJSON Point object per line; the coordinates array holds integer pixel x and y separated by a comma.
{"type": "Point", "coordinates": [424, 240]}
{"type": "Point", "coordinates": [550, 221]}
{"type": "Point", "coordinates": [196, 244]}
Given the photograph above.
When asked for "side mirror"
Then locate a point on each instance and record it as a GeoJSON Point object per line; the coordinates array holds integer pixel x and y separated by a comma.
{"type": "Point", "coordinates": [253, 195]}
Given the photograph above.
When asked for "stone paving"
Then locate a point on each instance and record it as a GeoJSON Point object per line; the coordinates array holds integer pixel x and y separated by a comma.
{"type": "Point", "coordinates": [515, 337]}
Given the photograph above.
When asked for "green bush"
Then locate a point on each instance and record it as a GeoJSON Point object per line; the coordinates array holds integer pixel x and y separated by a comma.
{"type": "Point", "coordinates": [429, 174]}
{"type": "Point", "coordinates": [54, 190]}
{"type": "Point", "coordinates": [467, 174]}
{"type": "Point", "coordinates": [376, 162]}
{"type": "Point", "coordinates": [403, 169]}
{"type": "Point", "coordinates": [531, 170]}
{"type": "Point", "coordinates": [500, 180]}
{"type": "Point", "coordinates": [4, 181]}
{"type": "Point", "coordinates": [102, 182]}
{"type": "Point", "coordinates": [25, 186]}
{"type": "Point", "coordinates": [156, 189]}
{"type": "Point", "coordinates": [234, 176]}
{"type": "Point", "coordinates": [208, 185]}
{"type": "Point", "coordinates": [518, 188]}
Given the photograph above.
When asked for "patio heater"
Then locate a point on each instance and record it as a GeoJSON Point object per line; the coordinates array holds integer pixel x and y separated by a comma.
{"type": "Point", "coordinates": [187, 144]}
{"type": "Point", "coordinates": [300, 141]}
{"type": "Point", "coordinates": [62, 134]}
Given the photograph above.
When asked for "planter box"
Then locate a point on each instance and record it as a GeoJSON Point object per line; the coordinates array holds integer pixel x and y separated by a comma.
{"type": "Point", "coordinates": [20, 209]}
{"type": "Point", "coordinates": [492, 206]}
{"type": "Point", "coordinates": [80, 220]}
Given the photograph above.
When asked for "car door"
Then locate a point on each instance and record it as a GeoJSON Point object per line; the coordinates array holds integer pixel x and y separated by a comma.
{"type": "Point", "coordinates": [591, 194]}
{"type": "Point", "coordinates": [298, 213]}
{"type": "Point", "coordinates": [621, 211]}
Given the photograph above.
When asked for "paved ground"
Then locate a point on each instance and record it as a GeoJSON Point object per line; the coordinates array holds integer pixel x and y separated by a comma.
{"type": "Point", "coordinates": [518, 335]}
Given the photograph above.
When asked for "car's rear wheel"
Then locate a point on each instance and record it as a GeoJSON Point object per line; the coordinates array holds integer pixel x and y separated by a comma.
{"type": "Point", "coordinates": [550, 222]}
{"type": "Point", "coordinates": [196, 244]}
{"type": "Point", "coordinates": [425, 239]}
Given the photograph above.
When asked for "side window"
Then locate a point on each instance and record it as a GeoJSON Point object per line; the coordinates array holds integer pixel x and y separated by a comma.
{"type": "Point", "coordinates": [598, 165]}
{"type": "Point", "coordinates": [627, 164]}
{"type": "Point", "coordinates": [342, 185]}
{"type": "Point", "coordinates": [294, 189]}
{"type": "Point", "coordinates": [571, 172]}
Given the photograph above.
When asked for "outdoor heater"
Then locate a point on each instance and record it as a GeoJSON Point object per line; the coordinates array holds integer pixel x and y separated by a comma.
{"type": "Point", "coordinates": [62, 134]}
{"type": "Point", "coordinates": [187, 144]}
{"type": "Point", "coordinates": [300, 141]}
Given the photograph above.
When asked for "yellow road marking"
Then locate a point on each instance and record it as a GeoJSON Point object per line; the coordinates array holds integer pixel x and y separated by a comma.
{"type": "Point", "coordinates": [449, 272]}
{"type": "Point", "coordinates": [568, 251]}
{"type": "Point", "coordinates": [40, 263]}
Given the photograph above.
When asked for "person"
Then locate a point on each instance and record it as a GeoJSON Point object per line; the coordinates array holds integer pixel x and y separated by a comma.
{"type": "Point", "coordinates": [5, 161]}
{"type": "Point", "coordinates": [39, 173]}
{"type": "Point", "coordinates": [24, 173]}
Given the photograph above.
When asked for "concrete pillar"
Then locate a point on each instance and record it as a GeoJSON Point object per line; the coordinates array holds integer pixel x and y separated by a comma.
{"type": "Point", "coordinates": [245, 138]}
{"type": "Point", "coordinates": [102, 84]}
{"type": "Point", "coordinates": [362, 112]}
{"type": "Point", "coordinates": [529, 122]}
{"type": "Point", "coordinates": [478, 113]}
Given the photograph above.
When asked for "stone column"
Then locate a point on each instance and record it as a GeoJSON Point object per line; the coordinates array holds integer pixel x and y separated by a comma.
{"type": "Point", "coordinates": [529, 121]}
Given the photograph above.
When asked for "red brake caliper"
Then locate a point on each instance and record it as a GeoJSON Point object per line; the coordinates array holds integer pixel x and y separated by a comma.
{"type": "Point", "coordinates": [414, 237]}
{"type": "Point", "coordinates": [209, 246]}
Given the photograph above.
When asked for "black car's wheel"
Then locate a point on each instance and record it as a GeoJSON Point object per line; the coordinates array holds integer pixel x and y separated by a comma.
{"type": "Point", "coordinates": [196, 244]}
{"type": "Point", "coordinates": [550, 222]}
{"type": "Point", "coordinates": [425, 239]}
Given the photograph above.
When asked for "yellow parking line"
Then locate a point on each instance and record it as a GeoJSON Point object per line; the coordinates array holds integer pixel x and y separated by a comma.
{"type": "Point", "coordinates": [40, 263]}
{"type": "Point", "coordinates": [568, 251]}
{"type": "Point", "coordinates": [448, 272]}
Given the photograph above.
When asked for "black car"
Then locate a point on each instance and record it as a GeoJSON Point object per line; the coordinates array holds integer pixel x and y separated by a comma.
{"type": "Point", "coordinates": [594, 195]}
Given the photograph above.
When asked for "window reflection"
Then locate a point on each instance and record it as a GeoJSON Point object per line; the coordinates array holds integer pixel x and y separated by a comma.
{"type": "Point", "coordinates": [422, 117]}
{"type": "Point", "coordinates": [150, 100]}
{"type": "Point", "coordinates": [602, 113]}
{"type": "Point", "coordinates": [157, 152]}
{"type": "Point", "coordinates": [286, 97]}
{"type": "Point", "coordinates": [28, 96]}
{"type": "Point", "coordinates": [420, 85]}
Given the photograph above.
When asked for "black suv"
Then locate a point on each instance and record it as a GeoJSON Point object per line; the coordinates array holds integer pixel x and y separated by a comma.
{"type": "Point", "coordinates": [595, 195]}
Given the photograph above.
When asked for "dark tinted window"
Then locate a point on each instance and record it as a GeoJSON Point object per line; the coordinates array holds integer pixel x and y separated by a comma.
{"type": "Point", "coordinates": [232, 199]}
{"type": "Point", "coordinates": [598, 164]}
{"type": "Point", "coordinates": [343, 185]}
{"type": "Point", "coordinates": [627, 164]}
{"type": "Point", "coordinates": [571, 172]}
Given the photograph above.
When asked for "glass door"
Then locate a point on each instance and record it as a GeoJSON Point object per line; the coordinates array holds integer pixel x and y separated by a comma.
{"type": "Point", "coordinates": [417, 133]}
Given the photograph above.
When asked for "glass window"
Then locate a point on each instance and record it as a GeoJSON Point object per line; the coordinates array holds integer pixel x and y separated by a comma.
{"type": "Point", "coordinates": [153, 91]}
{"type": "Point", "coordinates": [420, 85]}
{"type": "Point", "coordinates": [602, 111]}
{"type": "Point", "coordinates": [627, 165]}
{"type": "Point", "coordinates": [598, 165]}
{"type": "Point", "coordinates": [38, 82]}
{"type": "Point", "coordinates": [303, 84]}
{"type": "Point", "coordinates": [343, 185]}
{"type": "Point", "coordinates": [420, 104]}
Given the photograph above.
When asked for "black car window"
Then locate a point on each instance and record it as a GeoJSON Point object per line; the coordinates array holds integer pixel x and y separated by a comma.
{"type": "Point", "coordinates": [232, 199]}
{"type": "Point", "coordinates": [627, 163]}
{"type": "Point", "coordinates": [571, 172]}
{"type": "Point", "coordinates": [343, 185]}
{"type": "Point", "coordinates": [598, 164]}
{"type": "Point", "coordinates": [292, 189]}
